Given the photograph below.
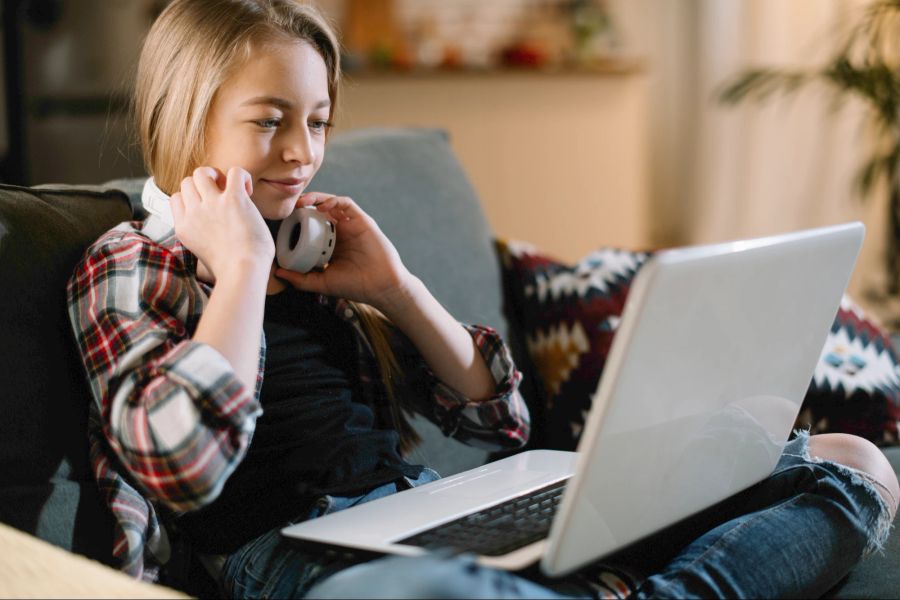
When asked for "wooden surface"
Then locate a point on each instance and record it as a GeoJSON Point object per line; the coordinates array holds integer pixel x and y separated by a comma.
{"type": "Point", "coordinates": [33, 568]}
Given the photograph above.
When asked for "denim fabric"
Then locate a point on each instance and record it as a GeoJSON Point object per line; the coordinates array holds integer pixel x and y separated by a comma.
{"type": "Point", "coordinates": [270, 567]}
{"type": "Point", "coordinates": [801, 531]}
{"type": "Point", "coordinates": [795, 534]}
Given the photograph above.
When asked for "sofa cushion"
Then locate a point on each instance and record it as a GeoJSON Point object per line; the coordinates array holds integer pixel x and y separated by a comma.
{"type": "Point", "coordinates": [412, 184]}
{"type": "Point", "coordinates": [46, 487]}
{"type": "Point", "coordinates": [568, 315]}
{"type": "Point", "coordinates": [856, 386]}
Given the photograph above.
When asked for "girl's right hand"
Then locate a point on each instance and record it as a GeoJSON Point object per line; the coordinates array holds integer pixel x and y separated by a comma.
{"type": "Point", "coordinates": [216, 220]}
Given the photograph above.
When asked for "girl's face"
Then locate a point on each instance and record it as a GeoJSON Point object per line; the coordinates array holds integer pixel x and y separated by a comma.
{"type": "Point", "coordinates": [270, 118]}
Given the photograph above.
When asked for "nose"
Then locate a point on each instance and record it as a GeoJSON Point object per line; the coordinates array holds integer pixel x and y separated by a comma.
{"type": "Point", "coordinates": [299, 148]}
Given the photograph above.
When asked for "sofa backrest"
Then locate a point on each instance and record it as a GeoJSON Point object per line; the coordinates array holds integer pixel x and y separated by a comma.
{"type": "Point", "coordinates": [414, 187]}
{"type": "Point", "coordinates": [46, 487]}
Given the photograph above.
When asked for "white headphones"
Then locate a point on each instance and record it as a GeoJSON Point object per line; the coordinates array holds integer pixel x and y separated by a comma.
{"type": "Point", "coordinates": [157, 202]}
{"type": "Point", "coordinates": [305, 240]}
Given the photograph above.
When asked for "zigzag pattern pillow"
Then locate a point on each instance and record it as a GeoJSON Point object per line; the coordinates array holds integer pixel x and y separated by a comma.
{"type": "Point", "coordinates": [856, 385]}
{"type": "Point", "coordinates": [569, 314]}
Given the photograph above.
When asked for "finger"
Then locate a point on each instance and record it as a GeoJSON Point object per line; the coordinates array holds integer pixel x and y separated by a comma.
{"type": "Point", "coordinates": [189, 194]}
{"type": "Point", "coordinates": [314, 281]}
{"type": "Point", "coordinates": [177, 205]}
{"type": "Point", "coordinates": [342, 208]}
{"type": "Point", "coordinates": [313, 198]}
{"type": "Point", "coordinates": [344, 202]}
{"type": "Point", "coordinates": [220, 178]}
{"type": "Point", "coordinates": [238, 182]}
{"type": "Point", "coordinates": [205, 181]}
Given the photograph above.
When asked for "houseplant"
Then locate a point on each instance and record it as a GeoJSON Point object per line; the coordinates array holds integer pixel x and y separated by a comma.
{"type": "Point", "coordinates": [865, 65]}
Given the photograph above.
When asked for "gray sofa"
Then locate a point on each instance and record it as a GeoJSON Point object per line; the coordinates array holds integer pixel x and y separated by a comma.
{"type": "Point", "coordinates": [407, 179]}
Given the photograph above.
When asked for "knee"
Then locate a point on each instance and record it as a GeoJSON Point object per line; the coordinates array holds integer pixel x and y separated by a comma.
{"type": "Point", "coordinates": [860, 454]}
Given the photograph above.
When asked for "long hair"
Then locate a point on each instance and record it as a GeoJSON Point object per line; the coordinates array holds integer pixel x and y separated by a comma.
{"type": "Point", "coordinates": [191, 50]}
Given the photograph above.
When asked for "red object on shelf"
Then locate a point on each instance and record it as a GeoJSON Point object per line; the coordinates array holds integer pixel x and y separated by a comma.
{"type": "Point", "coordinates": [523, 54]}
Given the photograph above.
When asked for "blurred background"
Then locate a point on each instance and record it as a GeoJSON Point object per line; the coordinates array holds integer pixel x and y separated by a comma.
{"type": "Point", "coordinates": [581, 123]}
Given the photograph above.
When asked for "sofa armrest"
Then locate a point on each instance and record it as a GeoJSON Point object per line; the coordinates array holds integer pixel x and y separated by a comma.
{"type": "Point", "coordinates": [33, 568]}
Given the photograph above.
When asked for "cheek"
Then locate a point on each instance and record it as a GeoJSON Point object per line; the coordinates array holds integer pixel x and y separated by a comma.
{"type": "Point", "coordinates": [320, 157]}
{"type": "Point", "coordinates": [248, 153]}
{"type": "Point", "coordinates": [253, 155]}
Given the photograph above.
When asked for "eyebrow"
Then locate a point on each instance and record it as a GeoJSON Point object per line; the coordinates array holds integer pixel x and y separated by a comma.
{"type": "Point", "coordinates": [280, 102]}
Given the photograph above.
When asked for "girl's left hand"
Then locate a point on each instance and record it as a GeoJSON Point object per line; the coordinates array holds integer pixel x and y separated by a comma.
{"type": "Point", "coordinates": [365, 266]}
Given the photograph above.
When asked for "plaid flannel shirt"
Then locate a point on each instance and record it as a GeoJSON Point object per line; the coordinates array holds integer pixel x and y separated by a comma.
{"type": "Point", "coordinates": [170, 421]}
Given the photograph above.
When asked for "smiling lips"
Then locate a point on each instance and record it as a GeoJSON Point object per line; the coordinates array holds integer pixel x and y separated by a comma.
{"type": "Point", "coordinates": [288, 185]}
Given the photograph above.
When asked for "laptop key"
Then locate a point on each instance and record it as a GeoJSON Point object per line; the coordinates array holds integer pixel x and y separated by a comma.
{"type": "Point", "coordinates": [498, 529]}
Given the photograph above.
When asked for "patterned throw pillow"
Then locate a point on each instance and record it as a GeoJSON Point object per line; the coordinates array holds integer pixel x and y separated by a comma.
{"type": "Point", "coordinates": [856, 385]}
{"type": "Point", "coordinates": [568, 315]}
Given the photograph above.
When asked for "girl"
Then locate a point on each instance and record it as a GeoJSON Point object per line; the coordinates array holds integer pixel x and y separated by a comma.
{"type": "Point", "coordinates": [234, 397]}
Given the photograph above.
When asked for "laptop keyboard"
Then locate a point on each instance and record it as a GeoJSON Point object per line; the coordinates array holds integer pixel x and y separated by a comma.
{"type": "Point", "coordinates": [498, 529]}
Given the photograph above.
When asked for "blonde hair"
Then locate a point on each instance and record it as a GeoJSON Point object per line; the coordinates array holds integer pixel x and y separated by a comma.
{"type": "Point", "coordinates": [191, 50]}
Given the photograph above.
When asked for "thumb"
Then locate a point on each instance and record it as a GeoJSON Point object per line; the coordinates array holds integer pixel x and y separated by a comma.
{"type": "Point", "coordinates": [314, 281]}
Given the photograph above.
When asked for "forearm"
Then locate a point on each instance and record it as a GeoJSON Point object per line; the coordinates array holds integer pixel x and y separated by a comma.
{"type": "Point", "coordinates": [446, 346]}
{"type": "Point", "coordinates": [232, 320]}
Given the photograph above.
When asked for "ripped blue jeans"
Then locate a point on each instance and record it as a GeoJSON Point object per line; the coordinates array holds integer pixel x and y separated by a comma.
{"type": "Point", "coordinates": [795, 534]}
{"type": "Point", "coordinates": [270, 567]}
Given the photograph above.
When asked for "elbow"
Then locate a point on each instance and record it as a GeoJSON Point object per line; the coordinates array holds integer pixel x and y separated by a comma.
{"type": "Point", "coordinates": [518, 430]}
{"type": "Point", "coordinates": [179, 430]}
{"type": "Point", "coordinates": [191, 478]}
{"type": "Point", "coordinates": [516, 435]}
{"type": "Point", "coordinates": [181, 460]}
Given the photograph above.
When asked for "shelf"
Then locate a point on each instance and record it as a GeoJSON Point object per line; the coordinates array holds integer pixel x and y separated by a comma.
{"type": "Point", "coordinates": [77, 105]}
{"type": "Point", "coordinates": [613, 67]}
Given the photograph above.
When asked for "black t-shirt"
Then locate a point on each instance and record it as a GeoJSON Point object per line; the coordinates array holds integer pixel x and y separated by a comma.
{"type": "Point", "coordinates": [315, 435]}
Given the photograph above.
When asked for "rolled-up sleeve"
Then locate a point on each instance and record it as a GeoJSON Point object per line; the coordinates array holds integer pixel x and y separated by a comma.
{"type": "Point", "coordinates": [173, 410]}
{"type": "Point", "coordinates": [498, 422]}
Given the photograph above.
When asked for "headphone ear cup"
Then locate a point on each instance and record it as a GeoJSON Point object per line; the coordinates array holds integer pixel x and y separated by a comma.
{"type": "Point", "coordinates": [328, 238]}
{"type": "Point", "coordinates": [305, 240]}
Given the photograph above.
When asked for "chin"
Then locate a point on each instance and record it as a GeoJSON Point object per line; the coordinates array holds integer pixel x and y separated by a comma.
{"type": "Point", "coordinates": [276, 210]}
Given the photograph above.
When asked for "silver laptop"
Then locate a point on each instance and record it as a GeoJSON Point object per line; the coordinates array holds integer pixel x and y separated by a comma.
{"type": "Point", "coordinates": [714, 352]}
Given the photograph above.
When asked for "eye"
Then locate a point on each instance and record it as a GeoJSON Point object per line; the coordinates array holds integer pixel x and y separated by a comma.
{"type": "Point", "coordinates": [320, 126]}
{"type": "Point", "coordinates": [268, 123]}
